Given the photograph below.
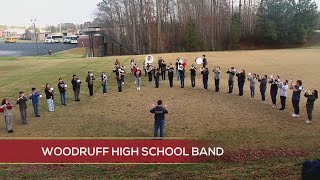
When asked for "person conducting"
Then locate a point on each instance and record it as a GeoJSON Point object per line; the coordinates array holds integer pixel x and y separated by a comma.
{"type": "Point", "coordinates": [159, 118]}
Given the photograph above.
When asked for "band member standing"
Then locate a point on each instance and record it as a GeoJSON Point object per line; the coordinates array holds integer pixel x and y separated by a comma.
{"type": "Point", "coordinates": [145, 68]}
{"type": "Point", "coordinates": [6, 108]}
{"type": "Point", "coordinates": [90, 80]}
{"type": "Point", "coordinates": [252, 78]}
{"type": "Point", "coordinates": [159, 118]}
{"type": "Point", "coordinates": [76, 84]}
{"type": "Point", "coordinates": [177, 68]}
{"type": "Point", "coordinates": [273, 90]}
{"type": "Point", "coordinates": [241, 80]}
{"type": "Point", "coordinates": [23, 108]}
{"type": "Point", "coordinates": [34, 97]}
{"type": "Point", "coordinates": [263, 87]}
{"type": "Point", "coordinates": [311, 96]}
{"type": "Point", "coordinates": [170, 74]}
{"type": "Point", "coordinates": [104, 82]}
{"type": "Point", "coordinates": [205, 62]}
{"type": "Point", "coordinates": [138, 78]}
{"type": "Point", "coordinates": [119, 78]}
{"type": "Point", "coordinates": [150, 72]}
{"type": "Point", "coordinates": [283, 94]}
{"type": "Point", "coordinates": [163, 70]}
{"type": "Point", "coordinates": [182, 75]}
{"type": "Point", "coordinates": [49, 96]}
{"type": "Point", "coordinates": [205, 77]}
{"type": "Point", "coordinates": [133, 72]}
{"type": "Point", "coordinates": [184, 64]}
{"type": "Point", "coordinates": [231, 73]}
{"type": "Point", "coordinates": [160, 63]}
{"type": "Point", "coordinates": [123, 74]}
{"type": "Point", "coordinates": [156, 75]}
{"type": "Point", "coordinates": [297, 88]}
{"type": "Point", "coordinates": [217, 72]}
{"type": "Point", "coordinates": [62, 90]}
{"type": "Point", "coordinates": [193, 74]}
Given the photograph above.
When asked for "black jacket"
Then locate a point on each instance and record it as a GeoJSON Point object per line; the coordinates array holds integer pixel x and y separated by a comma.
{"type": "Point", "coordinates": [22, 103]}
{"type": "Point", "coordinates": [170, 73]}
{"type": "Point", "coordinates": [310, 101]}
{"type": "Point", "coordinates": [75, 84]}
{"type": "Point", "coordinates": [182, 73]}
{"type": "Point", "coordinates": [61, 87]}
{"type": "Point", "coordinates": [205, 74]}
{"type": "Point", "coordinates": [49, 94]}
{"type": "Point", "coordinates": [241, 78]}
{"type": "Point", "coordinates": [159, 113]}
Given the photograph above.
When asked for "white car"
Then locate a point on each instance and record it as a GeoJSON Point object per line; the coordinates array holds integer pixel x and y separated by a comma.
{"type": "Point", "coordinates": [67, 40]}
{"type": "Point", "coordinates": [49, 40]}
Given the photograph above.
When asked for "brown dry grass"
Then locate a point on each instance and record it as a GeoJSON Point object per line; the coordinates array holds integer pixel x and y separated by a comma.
{"type": "Point", "coordinates": [233, 122]}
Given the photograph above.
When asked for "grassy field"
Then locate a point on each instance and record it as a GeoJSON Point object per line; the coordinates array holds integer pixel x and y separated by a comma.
{"type": "Point", "coordinates": [265, 143]}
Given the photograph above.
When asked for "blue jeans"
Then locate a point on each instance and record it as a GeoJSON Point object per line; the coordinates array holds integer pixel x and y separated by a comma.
{"type": "Point", "coordinates": [178, 75]}
{"type": "Point", "coordinates": [35, 109]}
{"type": "Point", "coordinates": [156, 80]}
{"type": "Point", "coordinates": [240, 89]}
{"type": "Point", "coordinates": [182, 81]}
{"type": "Point", "coordinates": [205, 83]}
{"type": "Point", "coordinates": [274, 96]}
{"type": "Point", "coordinates": [50, 105]}
{"type": "Point", "coordinates": [263, 94]}
{"type": "Point", "coordinates": [252, 91]}
{"type": "Point", "coordinates": [158, 124]}
{"type": "Point", "coordinates": [119, 82]}
{"type": "Point", "coordinates": [63, 98]}
{"type": "Point", "coordinates": [104, 88]}
{"type": "Point", "coordinates": [230, 84]}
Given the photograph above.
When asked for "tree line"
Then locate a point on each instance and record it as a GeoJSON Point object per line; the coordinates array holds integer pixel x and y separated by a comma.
{"type": "Point", "coordinates": [155, 26]}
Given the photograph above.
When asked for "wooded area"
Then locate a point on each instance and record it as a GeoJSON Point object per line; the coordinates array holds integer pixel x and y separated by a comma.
{"type": "Point", "coordinates": [154, 26]}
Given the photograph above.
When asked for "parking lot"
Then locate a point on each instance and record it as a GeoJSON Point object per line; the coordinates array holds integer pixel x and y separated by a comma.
{"type": "Point", "coordinates": [30, 49]}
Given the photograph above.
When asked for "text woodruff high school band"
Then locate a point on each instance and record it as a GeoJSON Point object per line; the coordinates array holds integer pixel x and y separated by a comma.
{"type": "Point", "coordinates": [154, 74]}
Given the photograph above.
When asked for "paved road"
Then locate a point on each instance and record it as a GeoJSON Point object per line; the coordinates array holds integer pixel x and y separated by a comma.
{"type": "Point", "coordinates": [30, 49]}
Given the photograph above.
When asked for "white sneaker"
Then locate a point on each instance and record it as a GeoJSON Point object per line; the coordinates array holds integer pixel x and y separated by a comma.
{"type": "Point", "coordinates": [263, 102]}
{"type": "Point", "coordinates": [308, 121]}
{"type": "Point", "coordinates": [274, 106]}
{"type": "Point", "coordinates": [123, 83]}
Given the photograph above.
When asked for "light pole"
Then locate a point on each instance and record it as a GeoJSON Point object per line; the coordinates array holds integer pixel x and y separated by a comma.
{"type": "Point", "coordinates": [35, 33]}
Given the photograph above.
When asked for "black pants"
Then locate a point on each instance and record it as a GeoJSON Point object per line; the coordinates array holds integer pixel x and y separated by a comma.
{"type": "Point", "coordinates": [273, 94]}
{"type": "Point", "coordinates": [90, 86]}
{"type": "Point", "coordinates": [150, 76]}
{"type": "Point", "coordinates": [283, 102]}
{"type": "Point", "coordinates": [193, 81]}
{"type": "Point", "coordinates": [163, 75]}
{"type": "Point", "coordinates": [309, 112]}
{"type": "Point", "coordinates": [217, 84]}
{"type": "Point", "coordinates": [171, 82]}
{"type": "Point", "coordinates": [295, 104]}
{"type": "Point", "coordinates": [263, 94]}
{"type": "Point", "coordinates": [240, 89]}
